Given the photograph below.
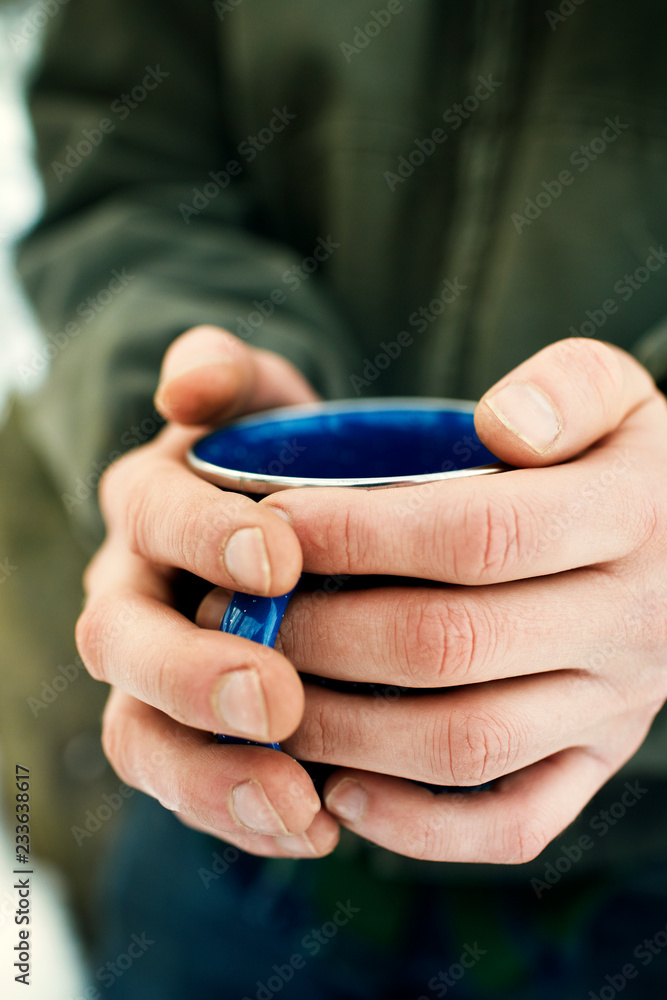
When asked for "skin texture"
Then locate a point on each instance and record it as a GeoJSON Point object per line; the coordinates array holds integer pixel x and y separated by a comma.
{"type": "Point", "coordinates": [546, 618]}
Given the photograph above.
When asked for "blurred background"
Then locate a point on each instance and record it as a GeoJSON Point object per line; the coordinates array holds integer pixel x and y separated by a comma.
{"type": "Point", "coordinates": [19, 188]}
{"type": "Point", "coordinates": [57, 968]}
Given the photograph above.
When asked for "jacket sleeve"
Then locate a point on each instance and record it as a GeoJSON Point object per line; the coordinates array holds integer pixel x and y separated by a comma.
{"type": "Point", "coordinates": [128, 108]}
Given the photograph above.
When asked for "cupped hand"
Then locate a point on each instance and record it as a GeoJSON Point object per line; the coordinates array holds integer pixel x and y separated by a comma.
{"type": "Point", "coordinates": [548, 644]}
{"type": "Point", "coordinates": [173, 684]}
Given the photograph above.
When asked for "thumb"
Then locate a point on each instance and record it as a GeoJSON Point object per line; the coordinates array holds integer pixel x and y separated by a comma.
{"type": "Point", "coordinates": [209, 375]}
{"type": "Point", "coordinates": [561, 401]}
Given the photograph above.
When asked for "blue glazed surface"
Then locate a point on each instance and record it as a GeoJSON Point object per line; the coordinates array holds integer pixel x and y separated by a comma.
{"type": "Point", "coordinates": [364, 444]}
{"type": "Point", "coordinates": [256, 618]}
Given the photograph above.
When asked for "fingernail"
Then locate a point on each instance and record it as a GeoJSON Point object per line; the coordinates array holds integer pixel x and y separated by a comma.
{"type": "Point", "coordinates": [162, 392]}
{"type": "Point", "coordinates": [527, 412]}
{"type": "Point", "coordinates": [203, 361]}
{"type": "Point", "coordinates": [347, 800]}
{"type": "Point", "coordinates": [239, 704]}
{"type": "Point", "coordinates": [254, 811]}
{"type": "Point", "coordinates": [280, 512]}
{"type": "Point", "coordinates": [300, 847]}
{"type": "Point", "coordinates": [167, 803]}
{"type": "Point", "coordinates": [247, 560]}
{"type": "Point", "coordinates": [212, 609]}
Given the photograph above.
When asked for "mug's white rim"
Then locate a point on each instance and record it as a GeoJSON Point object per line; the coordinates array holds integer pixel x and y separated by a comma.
{"type": "Point", "coordinates": [253, 482]}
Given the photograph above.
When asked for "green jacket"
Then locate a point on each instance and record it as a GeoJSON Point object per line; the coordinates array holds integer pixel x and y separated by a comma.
{"type": "Point", "coordinates": [319, 177]}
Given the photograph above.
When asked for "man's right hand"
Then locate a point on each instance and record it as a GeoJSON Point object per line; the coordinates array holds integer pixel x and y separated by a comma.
{"type": "Point", "coordinates": [173, 683]}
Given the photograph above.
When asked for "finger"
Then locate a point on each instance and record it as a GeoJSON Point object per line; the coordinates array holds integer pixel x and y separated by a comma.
{"type": "Point", "coordinates": [511, 526]}
{"type": "Point", "coordinates": [442, 637]}
{"type": "Point", "coordinates": [510, 823]}
{"type": "Point", "coordinates": [561, 401]}
{"type": "Point", "coordinates": [172, 517]}
{"type": "Point", "coordinates": [212, 608]}
{"type": "Point", "coordinates": [208, 680]}
{"type": "Point", "coordinates": [465, 736]}
{"type": "Point", "coordinates": [208, 375]}
{"type": "Point", "coordinates": [227, 789]}
{"type": "Point", "coordinates": [114, 568]}
{"type": "Point", "coordinates": [451, 636]}
{"type": "Point", "coordinates": [317, 841]}
{"type": "Point", "coordinates": [445, 637]}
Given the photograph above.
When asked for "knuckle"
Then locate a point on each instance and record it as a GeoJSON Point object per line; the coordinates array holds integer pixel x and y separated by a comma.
{"type": "Point", "coordinates": [443, 641]}
{"type": "Point", "coordinates": [341, 543]}
{"type": "Point", "coordinates": [112, 483]}
{"type": "Point", "coordinates": [101, 626]}
{"type": "Point", "coordinates": [114, 743]}
{"type": "Point", "coordinates": [348, 542]}
{"type": "Point", "coordinates": [472, 640]}
{"type": "Point", "coordinates": [420, 639]}
{"type": "Point", "coordinates": [89, 637]}
{"type": "Point", "coordinates": [138, 516]}
{"type": "Point", "coordinates": [320, 735]}
{"type": "Point", "coordinates": [643, 624]}
{"type": "Point", "coordinates": [522, 838]}
{"type": "Point", "coordinates": [480, 746]}
{"type": "Point", "coordinates": [315, 733]}
{"type": "Point", "coordinates": [497, 538]}
{"type": "Point", "coordinates": [593, 369]}
{"type": "Point", "coordinates": [427, 838]}
{"type": "Point", "coordinates": [175, 792]}
{"type": "Point", "coordinates": [158, 680]}
{"type": "Point", "coordinates": [648, 516]}
{"type": "Point", "coordinates": [164, 680]}
{"type": "Point", "coordinates": [108, 487]}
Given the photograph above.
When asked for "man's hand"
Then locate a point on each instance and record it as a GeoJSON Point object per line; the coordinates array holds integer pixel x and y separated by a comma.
{"type": "Point", "coordinates": [551, 641]}
{"type": "Point", "coordinates": [174, 683]}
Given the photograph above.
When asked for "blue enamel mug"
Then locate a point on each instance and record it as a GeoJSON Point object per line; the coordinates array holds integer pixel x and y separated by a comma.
{"type": "Point", "coordinates": [369, 444]}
